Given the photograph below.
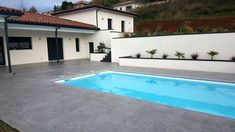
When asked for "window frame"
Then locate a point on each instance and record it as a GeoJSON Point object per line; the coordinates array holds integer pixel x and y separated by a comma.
{"type": "Point", "coordinates": [20, 41]}
{"type": "Point", "coordinates": [128, 8]}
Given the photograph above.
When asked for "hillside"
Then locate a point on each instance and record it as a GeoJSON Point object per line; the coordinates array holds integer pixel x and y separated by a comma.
{"type": "Point", "coordinates": [185, 9]}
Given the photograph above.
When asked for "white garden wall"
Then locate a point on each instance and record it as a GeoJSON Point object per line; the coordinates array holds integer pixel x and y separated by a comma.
{"type": "Point", "coordinates": [207, 66]}
{"type": "Point", "coordinates": [224, 43]}
{"type": "Point", "coordinates": [97, 56]}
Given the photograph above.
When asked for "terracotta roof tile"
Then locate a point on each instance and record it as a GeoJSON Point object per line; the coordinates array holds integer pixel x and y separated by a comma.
{"type": "Point", "coordinates": [39, 19]}
{"type": "Point", "coordinates": [10, 10]}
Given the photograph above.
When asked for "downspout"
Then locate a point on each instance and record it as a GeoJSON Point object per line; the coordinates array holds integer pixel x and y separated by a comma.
{"type": "Point", "coordinates": [56, 43]}
{"type": "Point", "coordinates": [7, 44]}
{"type": "Point", "coordinates": [97, 23]}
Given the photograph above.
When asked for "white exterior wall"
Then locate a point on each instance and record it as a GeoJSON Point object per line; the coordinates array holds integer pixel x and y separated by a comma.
{"type": "Point", "coordinates": [39, 51]}
{"type": "Point", "coordinates": [103, 36]}
{"type": "Point", "coordinates": [89, 16]}
{"type": "Point", "coordinates": [207, 66]}
{"type": "Point", "coordinates": [116, 21]}
{"type": "Point", "coordinates": [133, 5]}
{"type": "Point", "coordinates": [86, 16]}
{"type": "Point", "coordinates": [97, 56]}
{"type": "Point", "coordinates": [200, 43]}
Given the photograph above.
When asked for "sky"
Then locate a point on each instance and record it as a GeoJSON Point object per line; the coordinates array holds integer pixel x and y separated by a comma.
{"type": "Point", "coordinates": [41, 5]}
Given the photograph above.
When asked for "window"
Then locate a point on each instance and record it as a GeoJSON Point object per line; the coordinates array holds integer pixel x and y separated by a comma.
{"type": "Point", "coordinates": [122, 26]}
{"type": "Point", "coordinates": [20, 43]}
{"type": "Point", "coordinates": [109, 24]}
{"type": "Point", "coordinates": [128, 8]}
{"type": "Point", "coordinates": [77, 44]}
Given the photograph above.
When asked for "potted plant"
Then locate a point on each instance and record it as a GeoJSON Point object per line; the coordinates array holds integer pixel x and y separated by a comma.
{"type": "Point", "coordinates": [212, 54]}
{"type": "Point", "coordinates": [138, 55]}
{"type": "Point", "coordinates": [164, 56]}
{"type": "Point", "coordinates": [179, 55]}
{"type": "Point", "coordinates": [152, 52]}
{"type": "Point", "coordinates": [233, 58]}
{"type": "Point", "coordinates": [101, 47]}
{"type": "Point", "coordinates": [194, 56]}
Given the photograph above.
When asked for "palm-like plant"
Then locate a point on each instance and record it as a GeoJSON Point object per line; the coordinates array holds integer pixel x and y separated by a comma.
{"type": "Point", "coordinates": [101, 47]}
{"type": "Point", "coordinates": [212, 54]}
{"type": "Point", "coordinates": [152, 52]}
{"type": "Point", "coordinates": [179, 54]}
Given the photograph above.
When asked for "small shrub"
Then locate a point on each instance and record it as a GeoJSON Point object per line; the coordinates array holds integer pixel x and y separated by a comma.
{"type": "Point", "coordinates": [152, 52]}
{"type": "Point", "coordinates": [233, 58]}
{"type": "Point", "coordinates": [185, 29]}
{"type": "Point", "coordinates": [164, 56]}
{"type": "Point", "coordinates": [101, 47]}
{"type": "Point", "coordinates": [194, 56]}
{"type": "Point", "coordinates": [138, 55]}
{"type": "Point", "coordinates": [126, 35]}
{"type": "Point", "coordinates": [179, 55]}
{"type": "Point", "coordinates": [204, 29]}
{"type": "Point", "coordinates": [212, 54]}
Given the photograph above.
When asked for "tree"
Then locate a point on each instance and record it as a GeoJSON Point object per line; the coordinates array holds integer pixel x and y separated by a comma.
{"type": "Point", "coordinates": [105, 2]}
{"type": "Point", "coordinates": [212, 54]}
{"type": "Point", "coordinates": [152, 52]}
{"type": "Point", "coordinates": [33, 9]}
{"type": "Point", "coordinates": [66, 5]}
{"type": "Point", "coordinates": [57, 8]}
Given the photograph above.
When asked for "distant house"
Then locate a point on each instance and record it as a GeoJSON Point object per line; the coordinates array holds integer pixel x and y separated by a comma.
{"type": "Point", "coordinates": [68, 34]}
{"type": "Point", "coordinates": [80, 4]}
{"type": "Point", "coordinates": [127, 6]}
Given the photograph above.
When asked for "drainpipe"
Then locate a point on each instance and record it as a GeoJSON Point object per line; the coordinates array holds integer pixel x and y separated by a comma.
{"type": "Point", "coordinates": [7, 44]}
{"type": "Point", "coordinates": [56, 43]}
{"type": "Point", "coordinates": [97, 23]}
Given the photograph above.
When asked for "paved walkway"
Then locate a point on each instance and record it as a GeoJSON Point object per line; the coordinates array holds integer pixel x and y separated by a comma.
{"type": "Point", "coordinates": [31, 102]}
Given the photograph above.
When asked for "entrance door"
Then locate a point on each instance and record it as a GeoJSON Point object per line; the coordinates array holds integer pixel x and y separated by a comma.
{"type": "Point", "coordinates": [91, 47]}
{"type": "Point", "coordinates": [2, 58]}
{"type": "Point", "coordinates": [52, 49]}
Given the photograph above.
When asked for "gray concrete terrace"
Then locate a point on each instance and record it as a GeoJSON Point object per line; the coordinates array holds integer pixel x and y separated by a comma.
{"type": "Point", "coordinates": [31, 102]}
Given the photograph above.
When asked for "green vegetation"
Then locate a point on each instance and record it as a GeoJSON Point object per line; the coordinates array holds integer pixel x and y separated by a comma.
{"type": "Point", "coordinates": [212, 54]}
{"type": "Point", "coordinates": [179, 55]}
{"type": "Point", "coordinates": [194, 56]}
{"type": "Point", "coordinates": [183, 9]}
{"type": "Point", "coordinates": [105, 2]}
{"type": "Point", "coordinates": [164, 56]}
{"type": "Point", "coordinates": [64, 6]}
{"type": "Point", "coordinates": [4, 127]}
{"type": "Point", "coordinates": [233, 58]}
{"type": "Point", "coordinates": [152, 52]}
{"type": "Point", "coordinates": [101, 47]}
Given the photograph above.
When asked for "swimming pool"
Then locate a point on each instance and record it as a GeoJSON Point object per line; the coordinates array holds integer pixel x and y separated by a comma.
{"type": "Point", "coordinates": [204, 96]}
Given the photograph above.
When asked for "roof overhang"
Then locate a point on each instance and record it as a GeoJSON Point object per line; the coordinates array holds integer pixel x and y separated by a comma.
{"type": "Point", "coordinates": [61, 13]}
{"type": "Point", "coordinates": [48, 28]}
{"type": "Point", "coordinates": [10, 13]}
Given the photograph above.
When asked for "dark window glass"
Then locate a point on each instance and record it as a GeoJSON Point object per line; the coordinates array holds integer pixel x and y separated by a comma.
{"type": "Point", "coordinates": [128, 8]}
{"type": "Point", "coordinates": [19, 43]}
{"type": "Point", "coordinates": [77, 45]}
{"type": "Point", "coordinates": [109, 24]}
{"type": "Point", "coordinates": [123, 26]}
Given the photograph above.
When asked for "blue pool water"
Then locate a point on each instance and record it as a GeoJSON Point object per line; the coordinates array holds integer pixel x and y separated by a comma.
{"type": "Point", "coordinates": [203, 96]}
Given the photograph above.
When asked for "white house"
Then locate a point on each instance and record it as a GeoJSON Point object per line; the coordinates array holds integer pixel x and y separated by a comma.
{"type": "Point", "coordinates": [70, 34]}
{"type": "Point", "coordinates": [127, 6]}
{"type": "Point", "coordinates": [109, 21]}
